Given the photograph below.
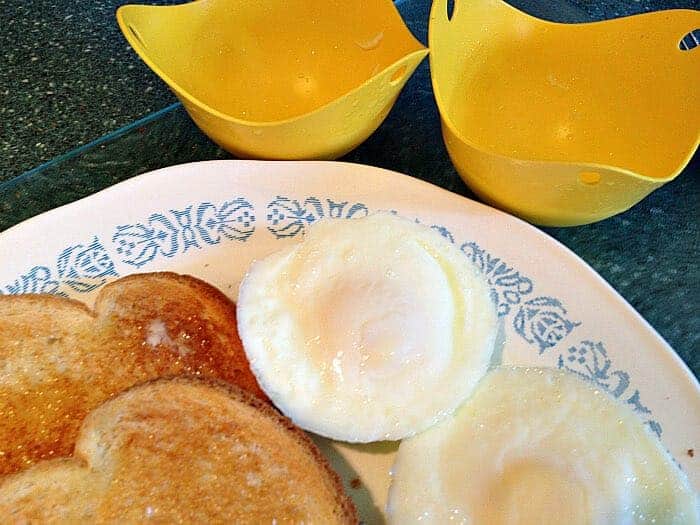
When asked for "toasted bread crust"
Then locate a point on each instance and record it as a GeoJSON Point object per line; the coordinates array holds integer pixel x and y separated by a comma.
{"type": "Point", "coordinates": [346, 507]}
{"type": "Point", "coordinates": [59, 359]}
{"type": "Point", "coordinates": [148, 448]}
{"type": "Point", "coordinates": [45, 300]}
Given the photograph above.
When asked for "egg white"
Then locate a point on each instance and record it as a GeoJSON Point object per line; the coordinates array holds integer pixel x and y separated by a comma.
{"type": "Point", "coordinates": [539, 446]}
{"type": "Point", "coordinates": [370, 329]}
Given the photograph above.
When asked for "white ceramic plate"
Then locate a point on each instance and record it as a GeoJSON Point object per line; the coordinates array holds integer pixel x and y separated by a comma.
{"type": "Point", "coordinates": [212, 219]}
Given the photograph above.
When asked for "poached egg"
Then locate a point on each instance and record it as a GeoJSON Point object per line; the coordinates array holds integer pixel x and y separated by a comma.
{"type": "Point", "coordinates": [539, 446]}
{"type": "Point", "coordinates": [369, 329]}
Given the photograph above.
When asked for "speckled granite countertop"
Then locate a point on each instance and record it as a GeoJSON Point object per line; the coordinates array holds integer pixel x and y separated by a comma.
{"type": "Point", "coordinates": [68, 77]}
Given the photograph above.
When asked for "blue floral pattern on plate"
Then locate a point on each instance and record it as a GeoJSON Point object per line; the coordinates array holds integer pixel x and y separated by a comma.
{"type": "Point", "coordinates": [508, 286]}
{"type": "Point", "coordinates": [79, 268]}
{"type": "Point", "coordinates": [167, 234]}
{"type": "Point", "coordinates": [590, 361]}
{"type": "Point", "coordinates": [288, 217]}
{"type": "Point", "coordinates": [541, 321]}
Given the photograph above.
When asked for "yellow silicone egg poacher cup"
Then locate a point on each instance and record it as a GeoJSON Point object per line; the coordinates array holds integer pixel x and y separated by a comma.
{"type": "Point", "coordinates": [279, 79]}
{"type": "Point", "coordinates": [564, 124]}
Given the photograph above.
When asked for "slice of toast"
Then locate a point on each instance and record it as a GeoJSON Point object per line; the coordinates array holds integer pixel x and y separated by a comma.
{"type": "Point", "coordinates": [59, 359]}
{"type": "Point", "coordinates": [182, 450]}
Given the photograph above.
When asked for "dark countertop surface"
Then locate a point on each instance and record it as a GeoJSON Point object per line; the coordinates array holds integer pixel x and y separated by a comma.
{"type": "Point", "coordinates": [68, 77]}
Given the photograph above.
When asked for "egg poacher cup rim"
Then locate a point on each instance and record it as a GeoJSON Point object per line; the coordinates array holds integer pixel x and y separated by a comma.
{"type": "Point", "coordinates": [438, 9]}
{"type": "Point", "coordinates": [417, 55]}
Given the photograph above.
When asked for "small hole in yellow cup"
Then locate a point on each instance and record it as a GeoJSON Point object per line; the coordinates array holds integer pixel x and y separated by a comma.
{"type": "Point", "coordinates": [589, 177]}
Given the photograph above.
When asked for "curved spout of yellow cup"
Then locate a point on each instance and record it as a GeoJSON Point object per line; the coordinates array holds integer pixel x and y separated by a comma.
{"type": "Point", "coordinates": [564, 124]}
{"type": "Point", "coordinates": [279, 79]}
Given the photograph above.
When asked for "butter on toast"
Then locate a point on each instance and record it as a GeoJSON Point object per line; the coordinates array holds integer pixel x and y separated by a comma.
{"type": "Point", "coordinates": [59, 359]}
{"type": "Point", "coordinates": [182, 450]}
